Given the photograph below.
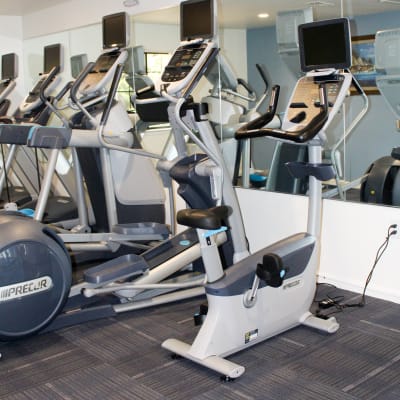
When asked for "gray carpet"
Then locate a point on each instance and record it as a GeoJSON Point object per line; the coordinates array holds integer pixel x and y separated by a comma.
{"type": "Point", "coordinates": [121, 358]}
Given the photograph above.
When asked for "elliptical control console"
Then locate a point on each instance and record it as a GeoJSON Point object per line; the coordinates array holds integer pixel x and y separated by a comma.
{"type": "Point", "coordinates": [103, 71]}
{"type": "Point", "coordinates": [185, 64]}
{"type": "Point", "coordinates": [198, 23]}
{"type": "Point", "coordinates": [182, 62]}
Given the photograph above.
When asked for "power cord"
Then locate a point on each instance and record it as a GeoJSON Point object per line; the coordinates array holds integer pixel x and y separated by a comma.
{"type": "Point", "coordinates": [392, 230]}
{"type": "Point", "coordinates": [329, 302]}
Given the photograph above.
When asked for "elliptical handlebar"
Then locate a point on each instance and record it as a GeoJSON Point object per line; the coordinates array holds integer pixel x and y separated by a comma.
{"type": "Point", "coordinates": [301, 135]}
{"type": "Point", "coordinates": [264, 76]}
{"type": "Point", "coordinates": [64, 90]}
{"type": "Point", "coordinates": [51, 75]}
{"type": "Point", "coordinates": [49, 79]}
{"type": "Point", "coordinates": [252, 96]}
{"type": "Point", "coordinates": [247, 86]}
{"type": "Point", "coordinates": [111, 94]}
{"type": "Point", "coordinates": [78, 81]}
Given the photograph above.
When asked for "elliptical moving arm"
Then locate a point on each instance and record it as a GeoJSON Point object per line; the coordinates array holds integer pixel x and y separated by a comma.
{"type": "Point", "coordinates": [78, 81]}
{"type": "Point", "coordinates": [49, 79]}
{"type": "Point", "coordinates": [74, 91]}
{"type": "Point", "coordinates": [111, 94]}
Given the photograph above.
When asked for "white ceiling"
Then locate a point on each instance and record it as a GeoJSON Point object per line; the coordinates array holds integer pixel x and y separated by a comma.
{"type": "Point", "coordinates": [243, 13]}
{"type": "Point", "coordinates": [233, 13]}
{"type": "Point", "coordinates": [22, 7]}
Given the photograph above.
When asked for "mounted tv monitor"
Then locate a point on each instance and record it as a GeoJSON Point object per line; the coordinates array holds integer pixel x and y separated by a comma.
{"type": "Point", "coordinates": [197, 19]}
{"type": "Point", "coordinates": [78, 62]}
{"type": "Point", "coordinates": [9, 67]}
{"type": "Point", "coordinates": [325, 45]}
{"type": "Point", "coordinates": [116, 31]}
{"type": "Point", "coordinates": [52, 57]}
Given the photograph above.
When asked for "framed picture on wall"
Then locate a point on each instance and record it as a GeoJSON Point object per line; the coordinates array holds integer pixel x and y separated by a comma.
{"type": "Point", "coordinates": [363, 63]}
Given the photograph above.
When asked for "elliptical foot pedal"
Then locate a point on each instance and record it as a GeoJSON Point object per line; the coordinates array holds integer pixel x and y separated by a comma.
{"type": "Point", "coordinates": [142, 228]}
{"type": "Point", "coordinates": [118, 268]}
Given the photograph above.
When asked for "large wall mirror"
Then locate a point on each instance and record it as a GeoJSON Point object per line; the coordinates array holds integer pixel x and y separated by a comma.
{"type": "Point", "coordinates": [246, 41]}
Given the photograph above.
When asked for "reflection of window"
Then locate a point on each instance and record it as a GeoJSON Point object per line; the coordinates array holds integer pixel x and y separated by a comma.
{"type": "Point", "coordinates": [155, 64]}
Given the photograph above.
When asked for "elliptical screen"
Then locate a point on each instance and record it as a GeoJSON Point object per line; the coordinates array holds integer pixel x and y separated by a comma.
{"type": "Point", "coordinates": [9, 66]}
{"type": "Point", "coordinates": [52, 57]}
{"type": "Point", "coordinates": [115, 31]}
{"type": "Point", "coordinates": [197, 19]}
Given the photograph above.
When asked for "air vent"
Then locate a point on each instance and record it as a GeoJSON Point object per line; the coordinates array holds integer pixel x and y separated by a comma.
{"type": "Point", "coordinates": [320, 3]}
{"type": "Point", "coordinates": [397, 2]}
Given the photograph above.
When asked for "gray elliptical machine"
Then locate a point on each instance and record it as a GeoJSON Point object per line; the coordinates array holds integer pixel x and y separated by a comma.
{"type": "Point", "coordinates": [37, 290]}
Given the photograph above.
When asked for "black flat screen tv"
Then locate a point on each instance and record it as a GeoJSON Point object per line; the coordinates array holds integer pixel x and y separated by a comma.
{"type": "Point", "coordinates": [325, 45]}
{"type": "Point", "coordinates": [197, 19]}
{"type": "Point", "coordinates": [52, 57]}
{"type": "Point", "coordinates": [115, 31]}
{"type": "Point", "coordinates": [9, 68]}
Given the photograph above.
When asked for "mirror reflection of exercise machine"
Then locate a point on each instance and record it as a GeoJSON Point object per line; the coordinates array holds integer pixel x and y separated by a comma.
{"type": "Point", "coordinates": [382, 183]}
{"type": "Point", "coordinates": [25, 167]}
{"type": "Point", "coordinates": [161, 274]}
{"type": "Point", "coordinates": [9, 73]}
{"type": "Point", "coordinates": [121, 212]}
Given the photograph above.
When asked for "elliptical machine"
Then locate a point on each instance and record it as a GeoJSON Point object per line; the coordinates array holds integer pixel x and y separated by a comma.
{"type": "Point", "coordinates": [37, 290]}
{"type": "Point", "coordinates": [382, 182]}
{"type": "Point", "coordinates": [272, 290]}
{"type": "Point", "coordinates": [22, 186]}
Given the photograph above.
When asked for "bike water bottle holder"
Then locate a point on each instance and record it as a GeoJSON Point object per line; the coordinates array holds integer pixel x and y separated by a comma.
{"type": "Point", "coordinates": [320, 171]}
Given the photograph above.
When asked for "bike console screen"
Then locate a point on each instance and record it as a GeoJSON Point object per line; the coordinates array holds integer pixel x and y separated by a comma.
{"type": "Point", "coordinates": [325, 45]}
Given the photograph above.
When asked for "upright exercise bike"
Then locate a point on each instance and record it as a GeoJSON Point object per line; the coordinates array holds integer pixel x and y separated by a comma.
{"type": "Point", "coordinates": [272, 290]}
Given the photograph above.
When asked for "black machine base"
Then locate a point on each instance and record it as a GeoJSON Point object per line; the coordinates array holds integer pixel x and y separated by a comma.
{"type": "Point", "coordinates": [382, 185]}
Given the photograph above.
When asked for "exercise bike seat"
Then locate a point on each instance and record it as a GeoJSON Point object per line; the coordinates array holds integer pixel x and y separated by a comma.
{"type": "Point", "coordinates": [210, 218]}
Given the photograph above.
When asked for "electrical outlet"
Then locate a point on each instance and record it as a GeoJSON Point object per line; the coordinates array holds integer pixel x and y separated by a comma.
{"type": "Point", "coordinates": [396, 229]}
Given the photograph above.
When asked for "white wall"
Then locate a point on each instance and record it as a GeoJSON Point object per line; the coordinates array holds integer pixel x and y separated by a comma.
{"type": "Point", "coordinates": [78, 13]}
{"type": "Point", "coordinates": [11, 42]}
{"type": "Point", "coordinates": [233, 44]}
{"type": "Point", "coordinates": [158, 38]}
{"type": "Point", "coordinates": [351, 235]}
